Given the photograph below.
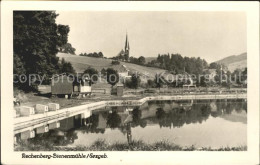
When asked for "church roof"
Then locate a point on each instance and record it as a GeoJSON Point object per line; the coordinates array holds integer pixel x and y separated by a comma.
{"type": "Point", "coordinates": [121, 52]}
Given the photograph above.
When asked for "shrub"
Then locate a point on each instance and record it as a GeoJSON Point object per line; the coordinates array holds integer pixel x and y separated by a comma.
{"type": "Point", "coordinates": [115, 62]}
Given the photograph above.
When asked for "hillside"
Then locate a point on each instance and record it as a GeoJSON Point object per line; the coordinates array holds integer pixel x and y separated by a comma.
{"type": "Point", "coordinates": [235, 61]}
{"type": "Point", "coordinates": [81, 63]}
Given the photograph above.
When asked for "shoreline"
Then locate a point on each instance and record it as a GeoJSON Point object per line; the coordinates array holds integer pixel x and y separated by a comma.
{"type": "Point", "coordinates": [26, 123]}
{"type": "Point", "coordinates": [102, 145]}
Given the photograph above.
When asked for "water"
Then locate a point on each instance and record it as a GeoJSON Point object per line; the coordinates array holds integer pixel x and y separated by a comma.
{"type": "Point", "coordinates": [208, 123]}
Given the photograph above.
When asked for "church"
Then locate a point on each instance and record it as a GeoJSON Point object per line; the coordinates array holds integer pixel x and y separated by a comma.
{"type": "Point", "coordinates": [124, 54]}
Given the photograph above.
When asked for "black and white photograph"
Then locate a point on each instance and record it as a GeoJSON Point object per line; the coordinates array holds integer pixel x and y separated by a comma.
{"type": "Point", "coordinates": [131, 80]}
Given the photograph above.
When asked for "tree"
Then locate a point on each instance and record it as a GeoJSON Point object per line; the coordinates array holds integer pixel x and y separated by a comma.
{"type": "Point", "coordinates": [150, 83]}
{"type": "Point", "coordinates": [103, 72]}
{"type": "Point", "coordinates": [133, 60]}
{"type": "Point", "coordinates": [159, 81]}
{"type": "Point", "coordinates": [141, 60]}
{"type": "Point", "coordinates": [63, 30]}
{"type": "Point", "coordinates": [203, 81]}
{"type": "Point", "coordinates": [36, 39]}
{"type": "Point", "coordinates": [112, 76]}
{"type": "Point", "coordinates": [66, 67]}
{"type": "Point", "coordinates": [95, 54]}
{"type": "Point", "coordinates": [92, 74]}
{"type": "Point", "coordinates": [244, 76]}
{"type": "Point", "coordinates": [115, 62]}
{"type": "Point", "coordinates": [67, 48]}
{"type": "Point", "coordinates": [100, 55]}
{"type": "Point", "coordinates": [226, 79]}
{"type": "Point", "coordinates": [128, 83]}
{"type": "Point", "coordinates": [18, 69]}
{"type": "Point", "coordinates": [214, 65]}
{"type": "Point", "coordinates": [135, 81]}
{"type": "Point", "coordinates": [18, 66]}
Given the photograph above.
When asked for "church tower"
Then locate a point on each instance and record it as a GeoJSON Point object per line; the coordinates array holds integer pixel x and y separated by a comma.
{"type": "Point", "coordinates": [127, 48]}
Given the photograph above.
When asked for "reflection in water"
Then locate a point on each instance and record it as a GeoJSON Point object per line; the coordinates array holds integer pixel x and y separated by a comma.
{"type": "Point", "coordinates": [63, 136]}
{"type": "Point", "coordinates": [113, 120]}
{"type": "Point", "coordinates": [136, 118]}
{"type": "Point", "coordinates": [129, 134]}
{"type": "Point", "coordinates": [181, 117]}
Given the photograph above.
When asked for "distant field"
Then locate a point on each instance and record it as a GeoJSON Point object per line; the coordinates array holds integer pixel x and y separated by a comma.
{"type": "Point", "coordinates": [235, 62]}
{"type": "Point", "coordinates": [237, 65]}
{"type": "Point", "coordinates": [81, 63]}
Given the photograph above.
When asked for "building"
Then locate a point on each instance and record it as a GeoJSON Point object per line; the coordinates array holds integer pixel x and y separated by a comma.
{"type": "Point", "coordinates": [124, 54]}
{"type": "Point", "coordinates": [127, 49]}
{"type": "Point", "coordinates": [210, 73]}
{"type": "Point", "coordinates": [118, 89]}
{"type": "Point", "coordinates": [62, 84]}
{"type": "Point", "coordinates": [67, 85]}
{"type": "Point", "coordinates": [122, 70]}
{"type": "Point", "coordinates": [82, 85]}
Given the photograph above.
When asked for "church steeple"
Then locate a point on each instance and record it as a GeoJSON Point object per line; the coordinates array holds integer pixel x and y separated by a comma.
{"type": "Point", "coordinates": [126, 43]}
{"type": "Point", "coordinates": [127, 48]}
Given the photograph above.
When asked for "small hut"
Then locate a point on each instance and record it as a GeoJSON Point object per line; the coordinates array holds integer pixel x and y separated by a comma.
{"type": "Point", "coordinates": [82, 85]}
{"type": "Point", "coordinates": [67, 85]}
{"type": "Point", "coordinates": [119, 89]}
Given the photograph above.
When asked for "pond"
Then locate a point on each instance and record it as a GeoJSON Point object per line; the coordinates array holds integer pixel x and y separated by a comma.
{"type": "Point", "coordinates": [202, 123]}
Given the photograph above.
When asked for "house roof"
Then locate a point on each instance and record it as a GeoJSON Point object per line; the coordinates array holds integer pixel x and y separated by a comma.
{"type": "Point", "coordinates": [120, 68]}
{"type": "Point", "coordinates": [210, 70]}
{"type": "Point", "coordinates": [122, 52]}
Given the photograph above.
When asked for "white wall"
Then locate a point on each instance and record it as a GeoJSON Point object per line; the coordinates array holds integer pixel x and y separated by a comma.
{"type": "Point", "coordinates": [85, 89]}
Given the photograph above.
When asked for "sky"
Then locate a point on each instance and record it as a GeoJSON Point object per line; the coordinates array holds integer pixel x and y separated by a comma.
{"type": "Point", "coordinates": [208, 35]}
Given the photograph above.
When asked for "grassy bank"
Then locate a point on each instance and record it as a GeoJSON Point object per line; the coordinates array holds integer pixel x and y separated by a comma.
{"type": "Point", "coordinates": [101, 145]}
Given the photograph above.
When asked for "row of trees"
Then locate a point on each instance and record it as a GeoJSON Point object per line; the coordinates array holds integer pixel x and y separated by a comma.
{"type": "Point", "coordinates": [178, 64]}
{"type": "Point", "coordinates": [139, 61]}
{"type": "Point", "coordinates": [174, 63]}
{"type": "Point", "coordinates": [95, 54]}
{"type": "Point", "coordinates": [36, 41]}
{"type": "Point", "coordinates": [110, 74]}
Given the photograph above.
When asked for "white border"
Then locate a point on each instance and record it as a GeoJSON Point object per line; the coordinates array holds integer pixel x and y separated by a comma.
{"type": "Point", "coordinates": [199, 157]}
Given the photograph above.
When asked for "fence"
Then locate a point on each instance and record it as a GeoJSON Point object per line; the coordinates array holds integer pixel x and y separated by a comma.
{"type": "Point", "coordinates": [181, 91]}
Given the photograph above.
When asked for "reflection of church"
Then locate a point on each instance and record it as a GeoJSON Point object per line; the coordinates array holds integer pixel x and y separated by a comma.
{"type": "Point", "coordinates": [124, 54]}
